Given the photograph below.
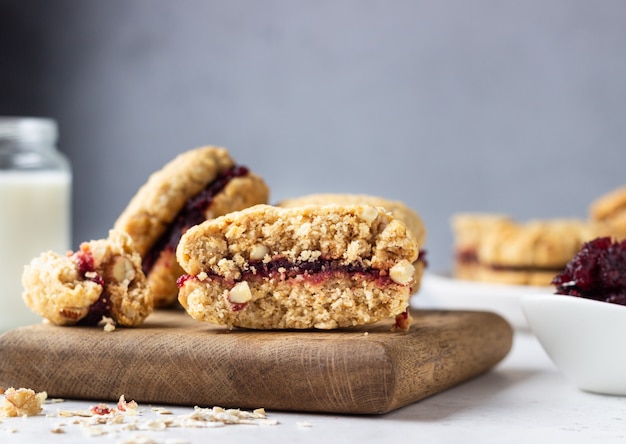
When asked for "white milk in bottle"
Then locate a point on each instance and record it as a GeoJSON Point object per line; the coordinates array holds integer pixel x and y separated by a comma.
{"type": "Point", "coordinates": [35, 207]}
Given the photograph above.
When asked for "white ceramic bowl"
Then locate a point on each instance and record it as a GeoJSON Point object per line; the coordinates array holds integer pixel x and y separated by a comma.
{"type": "Point", "coordinates": [443, 292]}
{"type": "Point", "coordinates": [583, 337]}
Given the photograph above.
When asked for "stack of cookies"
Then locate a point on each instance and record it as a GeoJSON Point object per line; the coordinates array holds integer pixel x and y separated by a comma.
{"type": "Point", "coordinates": [495, 248]}
{"type": "Point", "coordinates": [201, 232]}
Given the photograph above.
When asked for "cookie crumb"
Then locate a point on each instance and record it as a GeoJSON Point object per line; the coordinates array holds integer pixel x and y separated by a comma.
{"type": "Point", "coordinates": [108, 324]}
{"type": "Point", "coordinates": [104, 420]}
{"type": "Point", "coordinates": [130, 407]}
{"type": "Point", "coordinates": [22, 402]}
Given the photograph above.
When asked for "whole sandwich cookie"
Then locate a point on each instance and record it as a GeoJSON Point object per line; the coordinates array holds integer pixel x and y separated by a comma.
{"type": "Point", "coordinates": [529, 253]}
{"type": "Point", "coordinates": [315, 266]}
{"type": "Point", "coordinates": [469, 230]}
{"type": "Point", "coordinates": [102, 279]}
{"type": "Point", "coordinates": [398, 209]}
{"type": "Point", "coordinates": [197, 185]}
{"type": "Point", "coordinates": [608, 212]}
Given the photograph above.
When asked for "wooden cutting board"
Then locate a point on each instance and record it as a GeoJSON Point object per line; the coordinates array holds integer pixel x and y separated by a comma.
{"type": "Point", "coordinates": [174, 359]}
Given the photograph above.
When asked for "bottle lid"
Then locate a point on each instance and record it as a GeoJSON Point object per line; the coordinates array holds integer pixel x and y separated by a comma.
{"type": "Point", "coordinates": [28, 129]}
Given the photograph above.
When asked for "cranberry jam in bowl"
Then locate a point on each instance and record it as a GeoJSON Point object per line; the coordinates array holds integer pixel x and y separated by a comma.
{"type": "Point", "coordinates": [581, 327]}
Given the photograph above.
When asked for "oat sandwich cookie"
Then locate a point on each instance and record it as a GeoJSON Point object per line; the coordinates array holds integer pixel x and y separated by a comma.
{"type": "Point", "coordinates": [469, 230]}
{"type": "Point", "coordinates": [197, 185]}
{"type": "Point", "coordinates": [315, 266]}
{"type": "Point", "coordinates": [494, 248]}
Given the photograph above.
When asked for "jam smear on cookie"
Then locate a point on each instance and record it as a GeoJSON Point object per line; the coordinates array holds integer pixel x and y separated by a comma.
{"type": "Point", "coordinates": [598, 271]}
{"type": "Point", "coordinates": [316, 271]}
{"type": "Point", "coordinates": [191, 214]}
{"type": "Point", "coordinates": [86, 267]}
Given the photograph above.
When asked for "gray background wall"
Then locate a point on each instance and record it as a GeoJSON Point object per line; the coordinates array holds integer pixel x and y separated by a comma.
{"type": "Point", "coordinates": [503, 106]}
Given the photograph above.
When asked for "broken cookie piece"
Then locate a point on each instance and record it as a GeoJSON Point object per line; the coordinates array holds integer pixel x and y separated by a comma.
{"type": "Point", "coordinates": [22, 402]}
{"type": "Point", "coordinates": [398, 209]}
{"type": "Point", "coordinates": [197, 185]}
{"type": "Point", "coordinates": [102, 279]}
{"type": "Point", "coordinates": [316, 266]}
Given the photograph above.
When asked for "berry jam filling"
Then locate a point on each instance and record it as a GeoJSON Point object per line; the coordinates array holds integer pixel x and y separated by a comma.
{"type": "Point", "coordinates": [402, 321]}
{"type": "Point", "coordinates": [191, 214]}
{"type": "Point", "coordinates": [598, 271]}
{"type": "Point", "coordinates": [236, 306]}
{"type": "Point", "coordinates": [101, 409]}
{"type": "Point", "coordinates": [87, 269]}
{"type": "Point", "coordinates": [100, 308]}
{"type": "Point", "coordinates": [421, 257]}
{"type": "Point", "coordinates": [525, 269]}
{"type": "Point", "coordinates": [86, 264]}
{"type": "Point", "coordinates": [470, 257]}
{"type": "Point", "coordinates": [315, 271]}
{"type": "Point", "coordinates": [467, 256]}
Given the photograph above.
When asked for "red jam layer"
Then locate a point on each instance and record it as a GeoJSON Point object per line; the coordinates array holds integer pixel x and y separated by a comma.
{"type": "Point", "coordinates": [598, 271]}
{"type": "Point", "coordinates": [470, 257]}
{"type": "Point", "coordinates": [467, 257]}
{"type": "Point", "coordinates": [191, 214]}
{"type": "Point", "coordinates": [315, 271]}
{"type": "Point", "coordinates": [421, 257]}
{"type": "Point", "coordinates": [526, 269]}
{"type": "Point", "coordinates": [102, 307]}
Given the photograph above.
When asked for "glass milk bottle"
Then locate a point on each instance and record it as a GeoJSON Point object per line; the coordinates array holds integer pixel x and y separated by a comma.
{"type": "Point", "coordinates": [35, 212]}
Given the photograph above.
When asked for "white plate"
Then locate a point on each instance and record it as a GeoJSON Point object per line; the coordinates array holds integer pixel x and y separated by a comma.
{"type": "Point", "coordinates": [439, 291]}
{"type": "Point", "coordinates": [583, 337]}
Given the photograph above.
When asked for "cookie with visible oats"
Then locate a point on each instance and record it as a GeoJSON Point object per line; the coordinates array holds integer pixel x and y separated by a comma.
{"type": "Point", "coordinates": [469, 230]}
{"type": "Point", "coordinates": [494, 248]}
{"type": "Point", "coordinates": [397, 208]}
{"type": "Point", "coordinates": [102, 279]}
{"type": "Point", "coordinates": [197, 185]}
{"type": "Point", "coordinates": [317, 266]}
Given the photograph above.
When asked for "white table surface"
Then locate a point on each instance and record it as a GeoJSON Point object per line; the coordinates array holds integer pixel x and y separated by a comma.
{"type": "Point", "coordinates": [525, 399]}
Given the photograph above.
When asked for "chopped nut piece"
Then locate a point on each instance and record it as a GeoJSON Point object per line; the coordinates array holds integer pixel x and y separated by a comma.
{"type": "Point", "coordinates": [258, 252]}
{"type": "Point", "coordinates": [122, 269]}
{"type": "Point", "coordinates": [240, 293]}
{"type": "Point", "coordinates": [402, 273]}
{"type": "Point", "coordinates": [369, 214]}
{"type": "Point", "coordinates": [72, 314]}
